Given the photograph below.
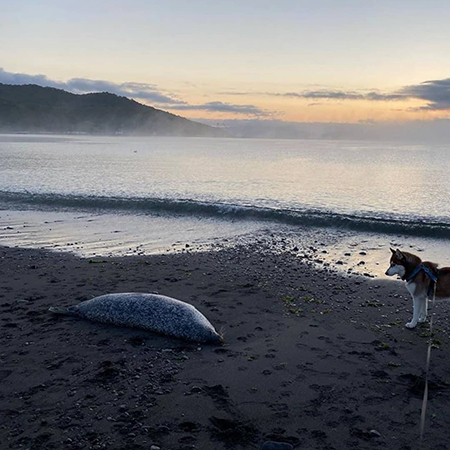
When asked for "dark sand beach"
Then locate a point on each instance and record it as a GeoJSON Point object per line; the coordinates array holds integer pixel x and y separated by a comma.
{"type": "Point", "coordinates": [311, 357]}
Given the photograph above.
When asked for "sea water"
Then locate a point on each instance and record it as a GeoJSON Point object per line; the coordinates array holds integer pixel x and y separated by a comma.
{"type": "Point", "coordinates": [119, 195]}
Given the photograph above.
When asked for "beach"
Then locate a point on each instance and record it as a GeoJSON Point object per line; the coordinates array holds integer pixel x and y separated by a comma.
{"type": "Point", "coordinates": [281, 244]}
{"type": "Point", "coordinates": [312, 357]}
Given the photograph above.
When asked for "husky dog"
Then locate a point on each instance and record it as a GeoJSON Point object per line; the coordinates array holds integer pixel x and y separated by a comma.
{"type": "Point", "coordinates": [421, 277]}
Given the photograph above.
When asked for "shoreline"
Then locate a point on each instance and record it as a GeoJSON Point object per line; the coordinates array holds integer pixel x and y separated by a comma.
{"type": "Point", "coordinates": [105, 234]}
{"type": "Point", "coordinates": [311, 357]}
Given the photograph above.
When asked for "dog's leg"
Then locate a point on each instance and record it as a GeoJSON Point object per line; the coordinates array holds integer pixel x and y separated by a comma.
{"type": "Point", "coordinates": [415, 318]}
{"type": "Point", "coordinates": [423, 309]}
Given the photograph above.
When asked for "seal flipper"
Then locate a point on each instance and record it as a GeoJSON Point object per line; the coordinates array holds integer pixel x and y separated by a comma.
{"type": "Point", "coordinates": [71, 311]}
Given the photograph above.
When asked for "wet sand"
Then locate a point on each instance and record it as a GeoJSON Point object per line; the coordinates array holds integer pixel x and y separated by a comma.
{"type": "Point", "coordinates": [311, 357]}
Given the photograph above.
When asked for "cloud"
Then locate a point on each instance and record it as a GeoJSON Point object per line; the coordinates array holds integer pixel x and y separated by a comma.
{"type": "Point", "coordinates": [224, 107]}
{"type": "Point", "coordinates": [140, 91]}
{"type": "Point", "coordinates": [323, 94]}
{"type": "Point", "coordinates": [377, 97]}
{"type": "Point", "coordinates": [435, 92]}
{"type": "Point", "coordinates": [23, 78]}
{"type": "Point", "coordinates": [239, 93]}
{"type": "Point", "coordinates": [326, 94]}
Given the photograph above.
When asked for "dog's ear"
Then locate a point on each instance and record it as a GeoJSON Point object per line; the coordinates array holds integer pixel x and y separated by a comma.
{"type": "Point", "coordinates": [399, 254]}
{"type": "Point", "coordinates": [392, 250]}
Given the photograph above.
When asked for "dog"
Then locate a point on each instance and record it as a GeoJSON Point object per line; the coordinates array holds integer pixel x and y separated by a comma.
{"type": "Point", "coordinates": [423, 278]}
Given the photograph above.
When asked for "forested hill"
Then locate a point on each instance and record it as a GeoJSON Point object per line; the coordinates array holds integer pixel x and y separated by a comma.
{"type": "Point", "coordinates": [32, 108]}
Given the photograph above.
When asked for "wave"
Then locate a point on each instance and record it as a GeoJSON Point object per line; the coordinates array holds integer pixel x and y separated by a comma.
{"type": "Point", "coordinates": [392, 224]}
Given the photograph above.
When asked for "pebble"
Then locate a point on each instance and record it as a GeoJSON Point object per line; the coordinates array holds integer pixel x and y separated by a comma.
{"type": "Point", "coordinates": [272, 445]}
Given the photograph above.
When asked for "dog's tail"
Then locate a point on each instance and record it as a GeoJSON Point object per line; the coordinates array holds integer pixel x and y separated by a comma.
{"type": "Point", "coordinates": [63, 311]}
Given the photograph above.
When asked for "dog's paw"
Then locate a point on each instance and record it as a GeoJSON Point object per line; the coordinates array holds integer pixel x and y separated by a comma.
{"type": "Point", "coordinates": [410, 325]}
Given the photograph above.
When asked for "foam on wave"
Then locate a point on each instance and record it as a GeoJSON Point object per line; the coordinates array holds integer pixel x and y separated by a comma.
{"type": "Point", "coordinates": [377, 223]}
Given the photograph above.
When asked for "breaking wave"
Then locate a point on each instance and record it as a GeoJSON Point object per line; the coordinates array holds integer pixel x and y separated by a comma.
{"type": "Point", "coordinates": [376, 223]}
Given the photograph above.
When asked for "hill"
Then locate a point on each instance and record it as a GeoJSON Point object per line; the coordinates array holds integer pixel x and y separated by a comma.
{"type": "Point", "coordinates": [32, 108]}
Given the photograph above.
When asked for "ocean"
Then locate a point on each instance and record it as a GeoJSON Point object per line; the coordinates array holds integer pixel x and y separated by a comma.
{"type": "Point", "coordinates": [350, 200]}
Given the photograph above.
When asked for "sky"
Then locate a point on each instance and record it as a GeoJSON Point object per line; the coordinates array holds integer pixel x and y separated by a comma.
{"type": "Point", "coordinates": [346, 61]}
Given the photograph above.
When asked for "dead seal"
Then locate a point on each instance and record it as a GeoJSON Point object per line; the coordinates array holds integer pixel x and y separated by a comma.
{"type": "Point", "coordinates": [158, 313]}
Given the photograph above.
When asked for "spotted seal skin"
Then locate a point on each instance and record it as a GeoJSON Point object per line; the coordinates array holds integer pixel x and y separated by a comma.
{"type": "Point", "coordinates": [158, 313]}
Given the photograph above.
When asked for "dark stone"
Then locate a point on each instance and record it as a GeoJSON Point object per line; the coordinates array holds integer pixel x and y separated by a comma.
{"type": "Point", "coordinates": [272, 445]}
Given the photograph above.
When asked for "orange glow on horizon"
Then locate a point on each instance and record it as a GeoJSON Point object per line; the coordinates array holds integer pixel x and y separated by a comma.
{"type": "Point", "coordinates": [303, 110]}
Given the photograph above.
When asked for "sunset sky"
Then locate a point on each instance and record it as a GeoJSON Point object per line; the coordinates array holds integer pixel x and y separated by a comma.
{"type": "Point", "coordinates": [290, 60]}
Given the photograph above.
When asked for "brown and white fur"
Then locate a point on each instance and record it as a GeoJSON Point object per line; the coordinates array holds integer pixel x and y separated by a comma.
{"type": "Point", "coordinates": [403, 265]}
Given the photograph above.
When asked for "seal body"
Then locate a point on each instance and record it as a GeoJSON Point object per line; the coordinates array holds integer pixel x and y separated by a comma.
{"type": "Point", "coordinates": [152, 312]}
